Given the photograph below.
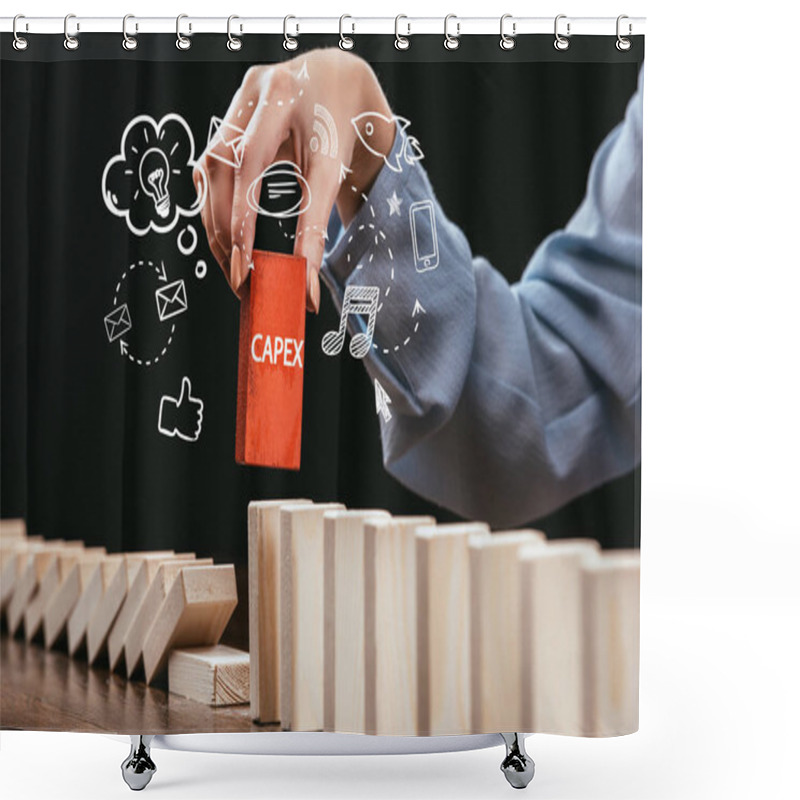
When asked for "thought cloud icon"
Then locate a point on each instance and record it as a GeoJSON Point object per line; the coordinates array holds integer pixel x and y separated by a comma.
{"type": "Point", "coordinates": [149, 182]}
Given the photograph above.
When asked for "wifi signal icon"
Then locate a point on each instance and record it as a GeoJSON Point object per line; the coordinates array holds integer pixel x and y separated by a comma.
{"type": "Point", "coordinates": [325, 139]}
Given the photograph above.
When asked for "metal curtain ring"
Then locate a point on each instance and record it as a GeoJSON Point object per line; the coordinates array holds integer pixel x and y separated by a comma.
{"type": "Point", "coordinates": [451, 42]}
{"type": "Point", "coordinates": [289, 43]}
{"type": "Point", "coordinates": [70, 42]}
{"type": "Point", "coordinates": [346, 42]}
{"type": "Point", "coordinates": [129, 42]}
{"type": "Point", "coordinates": [561, 42]}
{"type": "Point", "coordinates": [234, 43]}
{"type": "Point", "coordinates": [182, 42]}
{"type": "Point", "coordinates": [20, 42]}
{"type": "Point", "coordinates": [401, 42]}
{"type": "Point", "coordinates": [507, 42]}
{"type": "Point", "coordinates": [623, 43]}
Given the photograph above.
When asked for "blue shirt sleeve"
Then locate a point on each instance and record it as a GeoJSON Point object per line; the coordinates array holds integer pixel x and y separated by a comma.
{"type": "Point", "coordinates": [506, 401]}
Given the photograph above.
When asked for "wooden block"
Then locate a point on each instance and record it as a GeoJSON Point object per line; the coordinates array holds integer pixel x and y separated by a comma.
{"type": "Point", "coordinates": [143, 575]}
{"type": "Point", "coordinates": [302, 616]}
{"type": "Point", "coordinates": [150, 607]}
{"type": "Point", "coordinates": [552, 635]}
{"type": "Point", "coordinates": [14, 558]}
{"type": "Point", "coordinates": [390, 625]}
{"type": "Point", "coordinates": [443, 628]}
{"type": "Point", "coordinates": [57, 611]}
{"type": "Point", "coordinates": [12, 529]}
{"type": "Point", "coordinates": [272, 321]}
{"type": "Point", "coordinates": [495, 646]}
{"type": "Point", "coordinates": [36, 564]}
{"type": "Point", "coordinates": [57, 570]}
{"type": "Point", "coordinates": [216, 676]}
{"type": "Point", "coordinates": [344, 616]}
{"type": "Point", "coordinates": [611, 644]}
{"type": "Point", "coordinates": [195, 613]}
{"type": "Point", "coordinates": [116, 582]}
{"type": "Point", "coordinates": [78, 622]}
{"type": "Point", "coordinates": [264, 597]}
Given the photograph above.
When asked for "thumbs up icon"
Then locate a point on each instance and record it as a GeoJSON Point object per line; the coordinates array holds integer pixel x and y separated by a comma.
{"type": "Point", "coordinates": [182, 417]}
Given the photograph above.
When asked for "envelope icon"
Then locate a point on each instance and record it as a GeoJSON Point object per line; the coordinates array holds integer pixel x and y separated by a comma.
{"type": "Point", "coordinates": [118, 322]}
{"type": "Point", "coordinates": [171, 300]}
{"type": "Point", "coordinates": [227, 140]}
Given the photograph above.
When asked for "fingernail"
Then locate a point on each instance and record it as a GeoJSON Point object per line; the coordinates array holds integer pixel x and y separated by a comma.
{"type": "Point", "coordinates": [236, 268]}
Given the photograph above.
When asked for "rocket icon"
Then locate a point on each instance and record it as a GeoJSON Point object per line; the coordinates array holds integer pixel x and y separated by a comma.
{"type": "Point", "coordinates": [371, 127]}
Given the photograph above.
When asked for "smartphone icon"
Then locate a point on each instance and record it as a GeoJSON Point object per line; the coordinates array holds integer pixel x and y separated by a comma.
{"type": "Point", "coordinates": [423, 235]}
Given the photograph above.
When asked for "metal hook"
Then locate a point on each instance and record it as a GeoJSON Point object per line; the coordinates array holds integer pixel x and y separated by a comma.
{"type": "Point", "coordinates": [401, 42]}
{"type": "Point", "coordinates": [346, 42]}
{"type": "Point", "coordinates": [289, 43]}
{"type": "Point", "coordinates": [182, 42]}
{"type": "Point", "coordinates": [234, 43]}
{"type": "Point", "coordinates": [561, 42]}
{"type": "Point", "coordinates": [507, 42]}
{"type": "Point", "coordinates": [20, 42]}
{"type": "Point", "coordinates": [451, 42]}
{"type": "Point", "coordinates": [70, 42]}
{"type": "Point", "coordinates": [129, 42]}
{"type": "Point", "coordinates": [623, 43]}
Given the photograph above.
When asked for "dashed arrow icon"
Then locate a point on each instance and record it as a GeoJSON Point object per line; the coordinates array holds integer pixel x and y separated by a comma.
{"type": "Point", "coordinates": [123, 347]}
{"type": "Point", "coordinates": [162, 272]}
{"type": "Point", "coordinates": [418, 309]}
{"type": "Point", "coordinates": [382, 401]}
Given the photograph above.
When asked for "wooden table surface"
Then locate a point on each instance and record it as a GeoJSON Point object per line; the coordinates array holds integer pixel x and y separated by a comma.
{"type": "Point", "coordinates": [46, 690]}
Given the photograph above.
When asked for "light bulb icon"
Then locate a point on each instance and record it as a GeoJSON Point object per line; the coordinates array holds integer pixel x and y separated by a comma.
{"type": "Point", "coordinates": [154, 177]}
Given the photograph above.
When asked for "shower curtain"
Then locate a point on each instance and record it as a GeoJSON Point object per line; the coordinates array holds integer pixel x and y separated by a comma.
{"type": "Point", "coordinates": [402, 280]}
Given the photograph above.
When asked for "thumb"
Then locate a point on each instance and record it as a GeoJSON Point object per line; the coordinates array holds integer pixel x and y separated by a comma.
{"type": "Point", "coordinates": [186, 391]}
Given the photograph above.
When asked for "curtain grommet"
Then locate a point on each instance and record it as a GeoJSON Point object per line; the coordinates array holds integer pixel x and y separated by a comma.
{"type": "Point", "coordinates": [71, 42]}
{"type": "Point", "coordinates": [623, 44]}
{"type": "Point", "coordinates": [234, 43]}
{"type": "Point", "coordinates": [451, 42]}
{"type": "Point", "coordinates": [289, 42]}
{"type": "Point", "coordinates": [182, 42]}
{"type": "Point", "coordinates": [507, 42]}
{"type": "Point", "coordinates": [561, 42]}
{"type": "Point", "coordinates": [20, 42]}
{"type": "Point", "coordinates": [346, 42]}
{"type": "Point", "coordinates": [401, 42]}
{"type": "Point", "coordinates": [129, 42]}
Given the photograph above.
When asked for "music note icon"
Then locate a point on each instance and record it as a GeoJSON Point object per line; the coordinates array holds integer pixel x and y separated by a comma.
{"type": "Point", "coordinates": [357, 300]}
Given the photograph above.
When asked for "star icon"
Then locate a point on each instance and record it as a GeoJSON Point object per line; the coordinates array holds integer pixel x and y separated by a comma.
{"type": "Point", "coordinates": [394, 204]}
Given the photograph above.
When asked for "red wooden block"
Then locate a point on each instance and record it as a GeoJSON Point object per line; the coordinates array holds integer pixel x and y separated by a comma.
{"type": "Point", "coordinates": [272, 325]}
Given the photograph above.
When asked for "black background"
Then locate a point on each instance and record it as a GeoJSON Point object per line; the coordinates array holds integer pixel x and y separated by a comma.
{"type": "Point", "coordinates": [508, 139]}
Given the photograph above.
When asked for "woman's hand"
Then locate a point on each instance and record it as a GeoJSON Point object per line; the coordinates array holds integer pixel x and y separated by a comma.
{"type": "Point", "coordinates": [275, 106]}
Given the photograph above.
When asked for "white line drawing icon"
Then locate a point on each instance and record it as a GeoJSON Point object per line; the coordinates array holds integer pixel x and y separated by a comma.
{"type": "Point", "coordinates": [149, 182]}
{"type": "Point", "coordinates": [154, 177]}
{"type": "Point", "coordinates": [372, 125]}
{"type": "Point", "coordinates": [394, 203]}
{"type": "Point", "coordinates": [171, 300]}
{"type": "Point", "coordinates": [303, 75]}
{"type": "Point", "coordinates": [418, 309]}
{"type": "Point", "coordinates": [118, 322]}
{"type": "Point", "coordinates": [181, 416]}
{"type": "Point", "coordinates": [187, 249]}
{"type": "Point", "coordinates": [325, 139]}
{"type": "Point", "coordinates": [382, 402]}
{"type": "Point", "coordinates": [230, 147]}
{"type": "Point", "coordinates": [200, 269]}
{"type": "Point", "coordinates": [423, 235]}
{"type": "Point", "coordinates": [357, 300]}
{"type": "Point", "coordinates": [343, 172]}
{"type": "Point", "coordinates": [288, 192]}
